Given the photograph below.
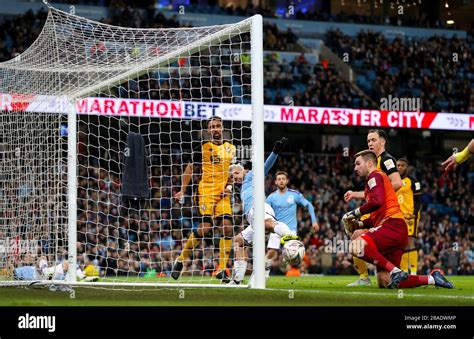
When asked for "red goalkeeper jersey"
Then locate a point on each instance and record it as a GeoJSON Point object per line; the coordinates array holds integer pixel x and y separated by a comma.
{"type": "Point", "coordinates": [381, 199]}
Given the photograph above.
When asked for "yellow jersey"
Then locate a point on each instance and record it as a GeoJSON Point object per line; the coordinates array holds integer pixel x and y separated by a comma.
{"type": "Point", "coordinates": [215, 161]}
{"type": "Point", "coordinates": [409, 199]}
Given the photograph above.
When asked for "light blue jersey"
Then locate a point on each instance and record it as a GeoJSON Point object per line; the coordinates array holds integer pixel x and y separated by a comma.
{"type": "Point", "coordinates": [285, 206]}
{"type": "Point", "coordinates": [25, 273]}
{"type": "Point", "coordinates": [246, 193]}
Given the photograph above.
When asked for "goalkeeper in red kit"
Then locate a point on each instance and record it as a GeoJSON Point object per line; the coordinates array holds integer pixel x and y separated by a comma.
{"type": "Point", "coordinates": [385, 240]}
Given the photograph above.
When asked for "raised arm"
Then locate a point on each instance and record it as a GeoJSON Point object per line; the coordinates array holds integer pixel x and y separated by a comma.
{"type": "Point", "coordinates": [269, 162]}
{"type": "Point", "coordinates": [274, 155]}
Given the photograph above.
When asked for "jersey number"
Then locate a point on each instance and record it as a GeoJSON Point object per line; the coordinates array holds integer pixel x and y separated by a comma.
{"type": "Point", "coordinates": [400, 199]}
{"type": "Point", "coordinates": [215, 159]}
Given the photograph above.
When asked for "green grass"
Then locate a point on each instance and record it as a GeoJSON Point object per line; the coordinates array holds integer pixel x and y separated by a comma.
{"type": "Point", "coordinates": [281, 291]}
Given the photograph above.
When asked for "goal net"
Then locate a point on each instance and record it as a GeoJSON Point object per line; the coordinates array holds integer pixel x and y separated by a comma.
{"type": "Point", "coordinates": [98, 127]}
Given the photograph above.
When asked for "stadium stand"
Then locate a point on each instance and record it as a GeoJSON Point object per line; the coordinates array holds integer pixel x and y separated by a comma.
{"type": "Point", "coordinates": [320, 84]}
{"type": "Point", "coordinates": [438, 70]}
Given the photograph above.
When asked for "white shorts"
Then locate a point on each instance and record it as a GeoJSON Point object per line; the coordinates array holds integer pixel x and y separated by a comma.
{"type": "Point", "coordinates": [247, 233]}
{"type": "Point", "coordinates": [274, 240]}
{"type": "Point", "coordinates": [269, 214]}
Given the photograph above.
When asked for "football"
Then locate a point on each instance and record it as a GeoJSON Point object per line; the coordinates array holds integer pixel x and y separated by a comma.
{"type": "Point", "coordinates": [293, 252]}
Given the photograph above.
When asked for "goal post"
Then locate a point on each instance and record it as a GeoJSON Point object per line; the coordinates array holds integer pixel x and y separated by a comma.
{"type": "Point", "coordinates": [70, 105]}
{"type": "Point", "coordinates": [258, 150]}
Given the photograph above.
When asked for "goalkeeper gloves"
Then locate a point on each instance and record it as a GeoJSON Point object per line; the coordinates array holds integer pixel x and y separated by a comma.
{"type": "Point", "coordinates": [350, 222]}
{"type": "Point", "coordinates": [352, 214]}
{"type": "Point", "coordinates": [279, 145]}
{"type": "Point", "coordinates": [350, 225]}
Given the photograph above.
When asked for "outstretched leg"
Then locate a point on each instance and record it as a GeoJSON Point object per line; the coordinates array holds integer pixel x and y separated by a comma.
{"type": "Point", "coordinates": [240, 264]}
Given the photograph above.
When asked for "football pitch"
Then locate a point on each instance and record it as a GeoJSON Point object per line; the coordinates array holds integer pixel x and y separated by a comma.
{"type": "Point", "coordinates": [281, 291]}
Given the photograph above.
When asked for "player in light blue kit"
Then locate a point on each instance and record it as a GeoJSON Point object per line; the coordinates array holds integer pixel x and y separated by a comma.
{"type": "Point", "coordinates": [284, 202]}
{"type": "Point", "coordinates": [42, 271]}
{"type": "Point", "coordinates": [239, 175]}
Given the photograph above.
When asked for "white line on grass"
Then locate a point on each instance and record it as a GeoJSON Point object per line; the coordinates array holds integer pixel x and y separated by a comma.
{"type": "Point", "coordinates": [406, 294]}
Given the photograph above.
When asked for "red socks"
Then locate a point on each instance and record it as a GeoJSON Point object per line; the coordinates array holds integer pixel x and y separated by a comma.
{"type": "Point", "coordinates": [414, 281]}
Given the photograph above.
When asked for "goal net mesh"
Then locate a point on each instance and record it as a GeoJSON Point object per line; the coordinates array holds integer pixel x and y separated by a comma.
{"type": "Point", "coordinates": [143, 99]}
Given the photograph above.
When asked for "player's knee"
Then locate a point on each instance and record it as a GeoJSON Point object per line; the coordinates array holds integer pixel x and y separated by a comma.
{"type": "Point", "coordinates": [356, 247]}
{"type": "Point", "coordinates": [383, 279]}
{"type": "Point", "coordinates": [270, 224]}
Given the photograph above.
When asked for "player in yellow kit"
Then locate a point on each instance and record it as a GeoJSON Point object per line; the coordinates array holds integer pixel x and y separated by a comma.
{"type": "Point", "coordinates": [213, 199]}
{"type": "Point", "coordinates": [409, 198]}
{"type": "Point", "coordinates": [376, 140]}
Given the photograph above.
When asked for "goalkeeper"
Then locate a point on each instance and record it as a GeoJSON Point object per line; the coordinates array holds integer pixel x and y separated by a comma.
{"type": "Point", "coordinates": [239, 175]}
{"type": "Point", "coordinates": [456, 159]}
{"type": "Point", "coordinates": [213, 199]}
{"type": "Point", "coordinates": [381, 239]}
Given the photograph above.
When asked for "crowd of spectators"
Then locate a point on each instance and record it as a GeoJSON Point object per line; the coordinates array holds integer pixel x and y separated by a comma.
{"type": "Point", "coordinates": [421, 20]}
{"type": "Point", "coordinates": [19, 32]}
{"type": "Point", "coordinates": [292, 13]}
{"type": "Point", "coordinates": [438, 70]}
{"type": "Point", "coordinates": [302, 83]}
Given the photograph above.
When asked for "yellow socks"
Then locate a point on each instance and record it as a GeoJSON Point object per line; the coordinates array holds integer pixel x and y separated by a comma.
{"type": "Point", "coordinates": [361, 267]}
{"type": "Point", "coordinates": [225, 245]}
{"type": "Point", "coordinates": [413, 259]}
{"type": "Point", "coordinates": [409, 262]}
{"type": "Point", "coordinates": [404, 262]}
{"type": "Point", "coordinates": [191, 244]}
